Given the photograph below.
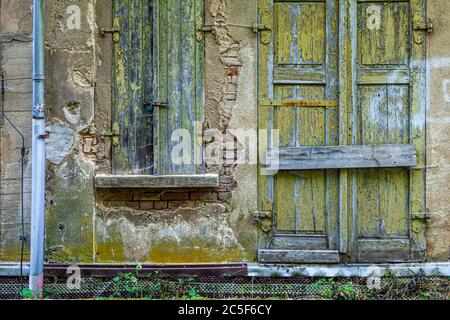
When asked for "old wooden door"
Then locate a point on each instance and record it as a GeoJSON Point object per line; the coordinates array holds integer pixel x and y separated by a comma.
{"type": "Point", "coordinates": [158, 98]}
{"type": "Point", "coordinates": [342, 84]}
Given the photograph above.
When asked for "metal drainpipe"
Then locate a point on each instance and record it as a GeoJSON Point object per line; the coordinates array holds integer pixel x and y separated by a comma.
{"type": "Point", "coordinates": [38, 151]}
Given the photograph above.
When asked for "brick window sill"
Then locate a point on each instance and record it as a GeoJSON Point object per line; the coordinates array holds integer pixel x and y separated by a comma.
{"type": "Point", "coordinates": [156, 182]}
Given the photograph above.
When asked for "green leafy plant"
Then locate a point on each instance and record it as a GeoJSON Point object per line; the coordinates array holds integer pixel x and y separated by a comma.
{"type": "Point", "coordinates": [346, 291]}
{"type": "Point", "coordinates": [30, 294]}
{"type": "Point", "coordinates": [324, 287]}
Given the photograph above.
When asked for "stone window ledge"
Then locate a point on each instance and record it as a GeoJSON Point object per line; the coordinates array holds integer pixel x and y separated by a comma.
{"type": "Point", "coordinates": [103, 181]}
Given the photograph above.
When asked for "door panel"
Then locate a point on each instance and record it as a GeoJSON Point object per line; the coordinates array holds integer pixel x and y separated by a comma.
{"type": "Point", "coordinates": [300, 64]}
{"type": "Point", "coordinates": [300, 31]}
{"type": "Point", "coordinates": [383, 112]}
{"type": "Point", "coordinates": [384, 33]}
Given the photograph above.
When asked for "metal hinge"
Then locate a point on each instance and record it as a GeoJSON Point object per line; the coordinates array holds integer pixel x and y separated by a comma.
{"type": "Point", "coordinates": [427, 27]}
{"type": "Point", "coordinates": [261, 27]}
{"type": "Point", "coordinates": [264, 220]}
{"type": "Point", "coordinates": [115, 31]}
{"type": "Point", "coordinates": [426, 216]}
{"type": "Point", "coordinates": [258, 215]}
{"type": "Point", "coordinates": [202, 29]}
{"type": "Point", "coordinates": [114, 134]}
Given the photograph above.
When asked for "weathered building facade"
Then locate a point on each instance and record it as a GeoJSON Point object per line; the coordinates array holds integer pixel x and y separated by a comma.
{"type": "Point", "coordinates": [355, 94]}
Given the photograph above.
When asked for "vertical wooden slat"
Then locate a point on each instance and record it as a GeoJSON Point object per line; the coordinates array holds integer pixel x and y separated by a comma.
{"type": "Point", "coordinates": [145, 139]}
{"type": "Point", "coordinates": [121, 161]}
{"type": "Point", "coordinates": [135, 107]}
{"type": "Point", "coordinates": [174, 79]}
{"type": "Point", "coordinates": [132, 84]}
{"type": "Point", "coordinates": [199, 89]}
{"type": "Point", "coordinates": [345, 100]}
{"type": "Point", "coordinates": [418, 116]}
{"type": "Point", "coordinates": [332, 120]}
{"type": "Point", "coordinates": [265, 92]}
{"type": "Point", "coordinates": [161, 114]}
{"type": "Point", "coordinates": [188, 60]}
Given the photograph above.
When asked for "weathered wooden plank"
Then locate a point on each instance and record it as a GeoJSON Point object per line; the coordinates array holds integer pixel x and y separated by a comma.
{"type": "Point", "coordinates": [333, 157]}
{"type": "Point", "coordinates": [175, 80]}
{"type": "Point", "coordinates": [121, 95]}
{"type": "Point", "coordinates": [188, 60]}
{"type": "Point", "coordinates": [160, 30]}
{"type": "Point", "coordinates": [145, 118]}
{"type": "Point", "coordinates": [151, 181]}
{"type": "Point", "coordinates": [384, 250]}
{"type": "Point", "coordinates": [418, 130]}
{"type": "Point", "coordinates": [299, 242]}
{"type": "Point", "coordinates": [298, 256]}
{"type": "Point", "coordinates": [388, 244]}
{"type": "Point", "coordinates": [199, 89]}
{"type": "Point", "coordinates": [288, 73]}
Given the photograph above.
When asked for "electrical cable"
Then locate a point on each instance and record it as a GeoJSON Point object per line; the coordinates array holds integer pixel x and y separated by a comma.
{"type": "Point", "coordinates": [22, 159]}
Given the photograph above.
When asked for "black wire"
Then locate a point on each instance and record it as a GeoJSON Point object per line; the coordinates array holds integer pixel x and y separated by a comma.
{"type": "Point", "coordinates": [22, 159]}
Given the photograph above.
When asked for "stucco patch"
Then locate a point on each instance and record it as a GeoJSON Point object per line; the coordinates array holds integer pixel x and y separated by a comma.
{"type": "Point", "coordinates": [59, 142]}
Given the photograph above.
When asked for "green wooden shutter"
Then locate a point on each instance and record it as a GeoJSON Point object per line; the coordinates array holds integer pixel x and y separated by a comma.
{"type": "Point", "coordinates": [158, 84]}
{"type": "Point", "coordinates": [298, 97]}
{"type": "Point", "coordinates": [351, 176]}
{"type": "Point", "coordinates": [389, 108]}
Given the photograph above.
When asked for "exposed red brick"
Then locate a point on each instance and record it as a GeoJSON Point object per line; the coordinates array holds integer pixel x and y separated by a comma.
{"type": "Point", "coordinates": [175, 204]}
{"type": "Point", "coordinates": [147, 205]}
{"type": "Point", "coordinates": [117, 196]}
{"type": "Point", "coordinates": [117, 203]}
{"type": "Point", "coordinates": [233, 71]}
{"type": "Point", "coordinates": [178, 196]}
{"type": "Point", "coordinates": [147, 196]}
{"type": "Point", "coordinates": [160, 205]}
{"type": "Point", "coordinates": [133, 205]}
{"type": "Point", "coordinates": [206, 196]}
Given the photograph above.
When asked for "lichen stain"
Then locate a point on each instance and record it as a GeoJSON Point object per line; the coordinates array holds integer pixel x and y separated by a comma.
{"type": "Point", "coordinates": [143, 237]}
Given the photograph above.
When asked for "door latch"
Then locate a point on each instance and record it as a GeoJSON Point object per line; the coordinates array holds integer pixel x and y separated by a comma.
{"type": "Point", "coordinates": [149, 105]}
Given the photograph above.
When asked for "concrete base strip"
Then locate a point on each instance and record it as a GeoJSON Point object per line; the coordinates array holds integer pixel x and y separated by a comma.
{"type": "Point", "coordinates": [13, 270]}
{"type": "Point", "coordinates": [353, 270]}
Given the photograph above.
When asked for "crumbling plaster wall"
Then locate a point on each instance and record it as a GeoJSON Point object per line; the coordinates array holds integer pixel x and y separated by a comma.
{"type": "Point", "coordinates": [438, 132]}
{"type": "Point", "coordinates": [71, 61]}
{"type": "Point", "coordinates": [15, 62]}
